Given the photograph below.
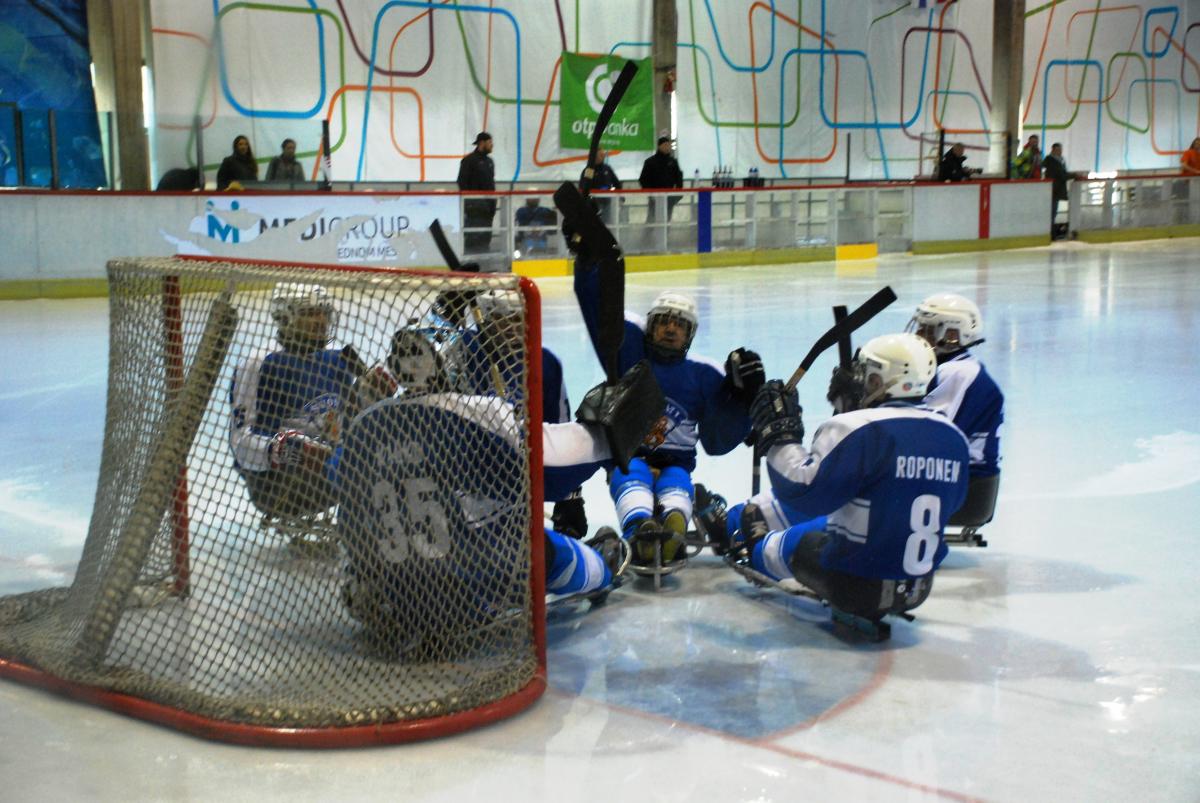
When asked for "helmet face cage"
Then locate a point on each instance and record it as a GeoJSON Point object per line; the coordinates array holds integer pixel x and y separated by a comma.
{"type": "Point", "coordinates": [894, 367]}
{"type": "Point", "coordinates": [947, 321]}
{"type": "Point", "coordinates": [421, 359]}
{"type": "Point", "coordinates": [672, 307]}
{"type": "Point", "coordinates": [290, 302]}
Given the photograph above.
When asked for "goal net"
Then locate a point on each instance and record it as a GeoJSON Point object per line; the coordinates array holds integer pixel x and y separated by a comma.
{"type": "Point", "coordinates": [318, 517]}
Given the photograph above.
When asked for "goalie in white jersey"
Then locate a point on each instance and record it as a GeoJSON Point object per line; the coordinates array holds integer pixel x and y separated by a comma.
{"type": "Point", "coordinates": [857, 517]}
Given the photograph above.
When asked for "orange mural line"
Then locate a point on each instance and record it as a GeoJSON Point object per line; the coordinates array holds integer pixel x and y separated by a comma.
{"type": "Point", "coordinates": [342, 90]}
{"type": "Point", "coordinates": [1125, 62]}
{"type": "Point", "coordinates": [1037, 70]}
{"type": "Point", "coordinates": [212, 84]}
{"type": "Point", "coordinates": [392, 97]}
{"type": "Point", "coordinates": [937, 69]}
{"type": "Point", "coordinates": [837, 77]}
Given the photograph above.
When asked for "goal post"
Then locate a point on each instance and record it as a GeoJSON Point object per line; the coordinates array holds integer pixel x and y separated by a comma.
{"type": "Point", "coordinates": [296, 539]}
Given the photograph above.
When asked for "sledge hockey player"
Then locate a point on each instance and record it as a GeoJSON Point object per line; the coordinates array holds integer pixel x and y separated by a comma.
{"type": "Point", "coordinates": [705, 405]}
{"type": "Point", "coordinates": [289, 407]}
{"type": "Point", "coordinates": [858, 517]}
{"type": "Point", "coordinates": [435, 520]}
{"type": "Point", "coordinates": [965, 393]}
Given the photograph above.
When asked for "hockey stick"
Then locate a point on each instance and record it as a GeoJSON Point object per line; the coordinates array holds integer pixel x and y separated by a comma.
{"type": "Point", "coordinates": [843, 329]}
{"type": "Point", "coordinates": [844, 346]}
{"type": "Point", "coordinates": [451, 258]}
{"type": "Point", "coordinates": [156, 491]}
{"type": "Point", "coordinates": [839, 333]}
{"type": "Point", "coordinates": [606, 112]}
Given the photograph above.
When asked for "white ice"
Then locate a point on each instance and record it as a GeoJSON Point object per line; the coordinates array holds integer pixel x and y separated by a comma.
{"type": "Point", "coordinates": [1058, 663]}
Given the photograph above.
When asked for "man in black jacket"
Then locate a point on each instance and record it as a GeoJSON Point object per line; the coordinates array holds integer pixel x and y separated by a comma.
{"type": "Point", "coordinates": [952, 168]}
{"type": "Point", "coordinates": [477, 173]}
{"type": "Point", "coordinates": [661, 171]}
{"type": "Point", "coordinates": [1054, 167]}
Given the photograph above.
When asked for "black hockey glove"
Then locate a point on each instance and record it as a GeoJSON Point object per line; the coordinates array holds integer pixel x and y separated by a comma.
{"type": "Point", "coordinates": [569, 516]}
{"type": "Point", "coordinates": [845, 391]}
{"type": "Point", "coordinates": [744, 374]}
{"type": "Point", "coordinates": [776, 416]}
{"type": "Point", "coordinates": [627, 411]}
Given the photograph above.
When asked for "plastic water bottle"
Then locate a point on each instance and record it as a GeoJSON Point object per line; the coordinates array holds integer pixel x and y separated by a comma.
{"type": "Point", "coordinates": [696, 178]}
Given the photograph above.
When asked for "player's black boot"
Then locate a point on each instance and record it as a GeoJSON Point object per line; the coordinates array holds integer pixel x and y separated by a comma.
{"type": "Point", "coordinates": [710, 518]}
{"type": "Point", "coordinates": [616, 554]}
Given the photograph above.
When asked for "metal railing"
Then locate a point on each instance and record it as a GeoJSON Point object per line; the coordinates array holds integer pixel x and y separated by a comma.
{"type": "Point", "coordinates": [1133, 202]}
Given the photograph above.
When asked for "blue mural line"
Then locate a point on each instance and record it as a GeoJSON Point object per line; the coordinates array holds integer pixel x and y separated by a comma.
{"type": "Point", "coordinates": [1150, 105]}
{"type": "Point", "coordinates": [264, 113]}
{"type": "Point", "coordinates": [721, 48]}
{"type": "Point", "coordinates": [1146, 30]}
{"type": "Point", "coordinates": [826, 53]}
{"type": "Point", "coordinates": [712, 82]}
{"type": "Point", "coordinates": [877, 126]}
{"type": "Point", "coordinates": [434, 7]}
{"type": "Point", "coordinates": [1085, 63]}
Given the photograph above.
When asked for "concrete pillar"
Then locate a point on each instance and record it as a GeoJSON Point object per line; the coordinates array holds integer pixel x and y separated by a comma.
{"type": "Point", "coordinates": [664, 37]}
{"type": "Point", "coordinates": [1008, 61]}
{"type": "Point", "coordinates": [117, 41]}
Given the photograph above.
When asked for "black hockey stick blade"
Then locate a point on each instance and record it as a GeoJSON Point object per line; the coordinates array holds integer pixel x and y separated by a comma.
{"type": "Point", "coordinates": [610, 325]}
{"type": "Point", "coordinates": [844, 346]}
{"type": "Point", "coordinates": [870, 308]}
{"type": "Point", "coordinates": [606, 112]}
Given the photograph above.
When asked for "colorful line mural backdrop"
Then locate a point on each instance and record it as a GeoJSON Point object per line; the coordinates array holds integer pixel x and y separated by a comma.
{"type": "Point", "coordinates": [794, 88]}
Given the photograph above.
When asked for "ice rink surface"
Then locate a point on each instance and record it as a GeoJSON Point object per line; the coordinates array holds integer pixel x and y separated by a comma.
{"type": "Point", "coordinates": [1060, 663]}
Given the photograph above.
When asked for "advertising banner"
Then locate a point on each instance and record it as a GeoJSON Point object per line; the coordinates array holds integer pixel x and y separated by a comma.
{"type": "Point", "coordinates": [586, 81]}
{"type": "Point", "coordinates": [344, 229]}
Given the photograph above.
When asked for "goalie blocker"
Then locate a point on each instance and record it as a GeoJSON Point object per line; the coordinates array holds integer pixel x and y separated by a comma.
{"type": "Point", "coordinates": [626, 409]}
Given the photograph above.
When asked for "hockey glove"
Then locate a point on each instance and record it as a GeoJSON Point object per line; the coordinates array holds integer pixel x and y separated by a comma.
{"type": "Point", "coordinates": [776, 416]}
{"type": "Point", "coordinates": [293, 449]}
{"type": "Point", "coordinates": [569, 517]}
{"type": "Point", "coordinates": [376, 384]}
{"type": "Point", "coordinates": [626, 410]}
{"type": "Point", "coordinates": [744, 374]}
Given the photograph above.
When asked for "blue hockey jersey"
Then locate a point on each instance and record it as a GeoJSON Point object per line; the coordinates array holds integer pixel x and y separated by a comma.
{"type": "Point", "coordinates": [965, 393]}
{"type": "Point", "coordinates": [888, 479]}
{"type": "Point", "coordinates": [277, 390]}
{"type": "Point", "coordinates": [700, 407]}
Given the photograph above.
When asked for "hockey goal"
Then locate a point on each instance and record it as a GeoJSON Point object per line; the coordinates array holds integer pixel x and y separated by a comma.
{"type": "Point", "coordinates": [374, 576]}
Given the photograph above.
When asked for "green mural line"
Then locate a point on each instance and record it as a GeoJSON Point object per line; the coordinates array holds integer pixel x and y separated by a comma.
{"type": "Point", "coordinates": [895, 10]}
{"type": "Point", "coordinates": [1108, 105]}
{"type": "Point", "coordinates": [208, 65]}
{"type": "Point", "coordinates": [1034, 11]}
{"type": "Point", "coordinates": [475, 77]}
{"type": "Point", "coordinates": [1082, 80]}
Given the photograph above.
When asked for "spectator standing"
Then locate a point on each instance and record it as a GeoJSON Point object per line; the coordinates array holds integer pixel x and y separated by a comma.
{"type": "Point", "coordinates": [1190, 161]}
{"type": "Point", "coordinates": [661, 171]}
{"type": "Point", "coordinates": [477, 173]}
{"type": "Point", "coordinates": [238, 166]}
{"type": "Point", "coordinates": [285, 167]}
{"type": "Point", "coordinates": [1028, 163]}
{"type": "Point", "coordinates": [1056, 171]}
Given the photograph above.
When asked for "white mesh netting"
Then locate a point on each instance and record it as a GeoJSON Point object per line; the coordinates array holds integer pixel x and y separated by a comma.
{"type": "Point", "coordinates": [314, 504]}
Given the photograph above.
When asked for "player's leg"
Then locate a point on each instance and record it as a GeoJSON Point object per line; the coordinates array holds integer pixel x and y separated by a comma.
{"type": "Point", "coordinates": [673, 491]}
{"type": "Point", "coordinates": [633, 494]}
{"type": "Point", "coordinates": [578, 567]}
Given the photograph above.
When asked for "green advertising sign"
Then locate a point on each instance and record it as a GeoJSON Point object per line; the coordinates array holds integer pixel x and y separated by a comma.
{"type": "Point", "coordinates": [586, 81]}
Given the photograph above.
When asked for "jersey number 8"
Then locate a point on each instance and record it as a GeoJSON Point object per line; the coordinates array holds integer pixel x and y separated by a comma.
{"type": "Point", "coordinates": [923, 540]}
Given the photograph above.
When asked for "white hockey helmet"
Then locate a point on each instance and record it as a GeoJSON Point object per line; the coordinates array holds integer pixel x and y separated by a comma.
{"type": "Point", "coordinates": [292, 305]}
{"type": "Point", "coordinates": [671, 306]}
{"type": "Point", "coordinates": [948, 322]}
{"type": "Point", "coordinates": [895, 367]}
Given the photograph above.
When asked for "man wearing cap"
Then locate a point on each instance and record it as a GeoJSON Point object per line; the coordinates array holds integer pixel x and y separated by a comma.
{"type": "Point", "coordinates": [661, 171]}
{"type": "Point", "coordinates": [477, 173]}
